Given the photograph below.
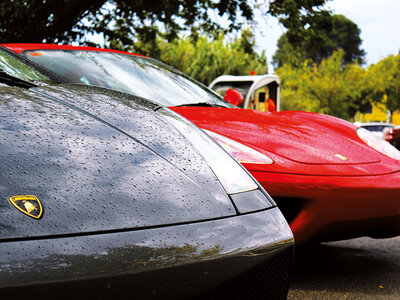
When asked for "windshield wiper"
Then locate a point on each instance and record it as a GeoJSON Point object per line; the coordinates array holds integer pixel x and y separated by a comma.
{"type": "Point", "coordinates": [203, 104]}
{"type": "Point", "coordinates": [14, 81]}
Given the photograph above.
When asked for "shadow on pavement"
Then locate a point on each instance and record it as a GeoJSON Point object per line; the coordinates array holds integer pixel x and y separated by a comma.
{"type": "Point", "coordinates": [356, 269]}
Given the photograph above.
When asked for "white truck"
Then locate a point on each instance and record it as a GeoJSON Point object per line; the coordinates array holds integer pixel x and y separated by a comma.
{"type": "Point", "coordinates": [258, 91]}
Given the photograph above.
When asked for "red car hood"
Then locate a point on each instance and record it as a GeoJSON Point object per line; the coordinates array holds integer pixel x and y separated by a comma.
{"type": "Point", "coordinates": [309, 139]}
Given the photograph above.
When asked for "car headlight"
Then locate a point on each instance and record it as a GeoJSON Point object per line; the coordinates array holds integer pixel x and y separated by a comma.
{"type": "Point", "coordinates": [230, 173]}
{"type": "Point", "coordinates": [239, 151]}
{"type": "Point", "coordinates": [378, 143]}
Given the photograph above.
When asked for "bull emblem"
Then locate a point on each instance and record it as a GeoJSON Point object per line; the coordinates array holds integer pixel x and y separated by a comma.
{"type": "Point", "coordinates": [28, 204]}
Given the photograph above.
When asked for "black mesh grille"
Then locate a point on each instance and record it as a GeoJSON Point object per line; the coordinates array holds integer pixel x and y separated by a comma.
{"type": "Point", "coordinates": [267, 281]}
{"type": "Point", "coordinates": [290, 207]}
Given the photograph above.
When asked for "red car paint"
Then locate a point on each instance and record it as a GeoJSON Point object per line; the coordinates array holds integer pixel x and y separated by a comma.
{"type": "Point", "coordinates": [18, 48]}
{"type": "Point", "coordinates": [339, 199]}
{"type": "Point", "coordinates": [341, 187]}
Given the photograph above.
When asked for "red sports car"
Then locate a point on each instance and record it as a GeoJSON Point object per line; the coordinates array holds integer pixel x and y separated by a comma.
{"type": "Point", "coordinates": [331, 179]}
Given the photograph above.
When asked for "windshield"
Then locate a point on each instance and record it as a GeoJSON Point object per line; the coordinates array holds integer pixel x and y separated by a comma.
{"type": "Point", "coordinates": [14, 66]}
{"type": "Point", "coordinates": [377, 127]}
{"type": "Point", "coordinates": [241, 86]}
{"type": "Point", "coordinates": [136, 75]}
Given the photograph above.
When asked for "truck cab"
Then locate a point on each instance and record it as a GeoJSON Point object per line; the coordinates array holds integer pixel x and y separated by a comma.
{"type": "Point", "coordinates": [260, 92]}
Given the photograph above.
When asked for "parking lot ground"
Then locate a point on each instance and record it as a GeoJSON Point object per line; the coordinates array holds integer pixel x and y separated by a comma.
{"type": "Point", "coordinates": [362, 268]}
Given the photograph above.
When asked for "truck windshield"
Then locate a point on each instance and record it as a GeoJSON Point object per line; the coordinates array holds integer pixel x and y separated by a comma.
{"type": "Point", "coordinates": [136, 75]}
{"type": "Point", "coordinates": [241, 86]}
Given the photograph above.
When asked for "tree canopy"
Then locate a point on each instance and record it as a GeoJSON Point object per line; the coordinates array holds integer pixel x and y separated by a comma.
{"type": "Point", "coordinates": [327, 87]}
{"type": "Point", "coordinates": [121, 22]}
{"type": "Point", "coordinates": [205, 59]}
{"type": "Point", "coordinates": [384, 81]}
{"type": "Point", "coordinates": [70, 20]}
{"type": "Point", "coordinates": [328, 33]}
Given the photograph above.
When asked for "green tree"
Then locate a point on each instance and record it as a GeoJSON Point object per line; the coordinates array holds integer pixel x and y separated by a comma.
{"type": "Point", "coordinates": [298, 16]}
{"type": "Point", "coordinates": [121, 22]}
{"type": "Point", "coordinates": [286, 55]}
{"type": "Point", "coordinates": [328, 87]}
{"type": "Point", "coordinates": [328, 33]}
{"type": "Point", "coordinates": [384, 82]}
{"type": "Point", "coordinates": [205, 58]}
{"type": "Point", "coordinates": [118, 20]}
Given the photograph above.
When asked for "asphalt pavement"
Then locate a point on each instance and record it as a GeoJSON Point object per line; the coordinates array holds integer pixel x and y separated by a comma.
{"type": "Point", "coordinates": [362, 268]}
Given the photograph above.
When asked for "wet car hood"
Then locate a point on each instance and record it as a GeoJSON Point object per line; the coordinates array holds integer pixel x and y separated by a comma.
{"type": "Point", "coordinates": [101, 161]}
{"type": "Point", "coordinates": [298, 142]}
{"type": "Point", "coordinates": [299, 136]}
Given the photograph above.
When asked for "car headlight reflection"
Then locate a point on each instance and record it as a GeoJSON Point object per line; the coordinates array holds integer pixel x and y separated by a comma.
{"type": "Point", "coordinates": [239, 151]}
{"type": "Point", "coordinates": [378, 143]}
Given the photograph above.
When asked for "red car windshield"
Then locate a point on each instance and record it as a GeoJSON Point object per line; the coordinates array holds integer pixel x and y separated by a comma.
{"type": "Point", "coordinates": [136, 75]}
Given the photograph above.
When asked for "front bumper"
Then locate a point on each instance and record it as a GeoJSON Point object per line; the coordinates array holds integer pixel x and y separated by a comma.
{"type": "Point", "coordinates": [168, 262]}
{"type": "Point", "coordinates": [337, 207]}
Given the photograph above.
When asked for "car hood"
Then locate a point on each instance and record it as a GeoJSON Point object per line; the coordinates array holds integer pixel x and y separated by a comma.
{"type": "Point", "coordinates": [99, 161]}
{"type": "Point", "coordinates": [308, 140]}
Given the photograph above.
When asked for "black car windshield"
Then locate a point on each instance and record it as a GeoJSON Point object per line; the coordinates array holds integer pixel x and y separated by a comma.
{"type": "Point", "coordinates": [136, 75]}
{"type": "Point", "coordinates": [16, 67]}
{"type": "Point", "coordinates": [241, 86]}
{"type": "Point", "coordinates": [377, 127]}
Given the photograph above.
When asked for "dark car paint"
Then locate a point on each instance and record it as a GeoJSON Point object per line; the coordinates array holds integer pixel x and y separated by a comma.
{"type": "Point", "coordinates": [91, 177]}
{"type": "Point", "coordinates": [180, 234]}
{"type": "Point", "coordinates": [192, 258]}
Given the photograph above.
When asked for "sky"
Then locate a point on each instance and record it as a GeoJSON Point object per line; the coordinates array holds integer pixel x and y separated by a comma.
{"type": "Point", "coordinates": [379, 21]}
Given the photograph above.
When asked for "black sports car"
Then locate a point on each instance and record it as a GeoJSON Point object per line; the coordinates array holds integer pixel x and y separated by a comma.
{"type": "Point", "coordinates": [107, 195]}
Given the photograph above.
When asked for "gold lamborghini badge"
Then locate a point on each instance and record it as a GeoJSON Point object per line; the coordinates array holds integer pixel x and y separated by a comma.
{"type": "Point", "coordinates": [28, 204]}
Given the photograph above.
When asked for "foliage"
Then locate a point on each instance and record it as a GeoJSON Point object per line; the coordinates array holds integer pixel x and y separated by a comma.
{"type": "Point", "coordinates": [41, 20]}
{"type": "Point", "coordinates": [285, 54]}
{"type": "Point", "coordinates": [122, 22]}
{"type": "Point", "coordinates": [298, 16]}
{"type": "Point", "coordinates": [384, 81]}
{"type": "Point", "coordinates": [329, 87]}
{"type": "Point", "coordinates": [292, 12]}
{"type": "Point", "coordinates": [118, 20]}
{"type": "Point", "coordinates": [328, 33]}
{"type": "Point", "coordinates": [206, 58]}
